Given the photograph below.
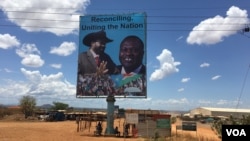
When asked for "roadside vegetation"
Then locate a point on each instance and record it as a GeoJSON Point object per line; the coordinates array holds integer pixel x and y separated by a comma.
{"type": "Point", "coordinates": [217, 124]}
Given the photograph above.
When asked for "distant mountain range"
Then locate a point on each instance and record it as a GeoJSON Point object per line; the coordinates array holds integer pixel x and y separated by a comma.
{"type": "Point", "coordinates": [49, 106]}
{"type": "Point", "coordinates": [45, 106]}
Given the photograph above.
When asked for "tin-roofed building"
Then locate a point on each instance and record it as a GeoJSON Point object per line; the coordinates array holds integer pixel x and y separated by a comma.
{"type": "Point", "coordinates": [219, 112]}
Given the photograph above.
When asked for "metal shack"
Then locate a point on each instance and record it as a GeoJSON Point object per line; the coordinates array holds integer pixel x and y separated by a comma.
{"type": "Point", "coordinates": [150, 123]}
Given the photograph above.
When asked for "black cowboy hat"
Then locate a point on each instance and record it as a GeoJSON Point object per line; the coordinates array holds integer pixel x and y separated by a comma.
{"type": "Point", "coordinates": [100, 35]}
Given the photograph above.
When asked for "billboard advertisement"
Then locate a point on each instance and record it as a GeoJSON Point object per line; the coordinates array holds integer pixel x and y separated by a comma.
{"type": "Point", "coordinates": [112, 56]}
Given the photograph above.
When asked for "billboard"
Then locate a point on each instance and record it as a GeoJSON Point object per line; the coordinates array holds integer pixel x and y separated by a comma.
{"type": "Point", "coordinates": [112, 56]}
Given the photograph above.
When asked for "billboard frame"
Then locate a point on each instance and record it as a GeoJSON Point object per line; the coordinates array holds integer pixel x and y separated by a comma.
{"type": "Point", "coordinates": [116, 28]}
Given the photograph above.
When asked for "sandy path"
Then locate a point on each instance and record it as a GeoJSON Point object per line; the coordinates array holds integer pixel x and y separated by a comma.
{"type": "Point", "coordinates": [47, 131]}
{"type": "Point", "coordinates": [67, 131]}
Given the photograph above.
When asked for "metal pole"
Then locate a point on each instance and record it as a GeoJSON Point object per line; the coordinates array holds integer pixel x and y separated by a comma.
{"type": "Point", "coordinates": [110, 115]}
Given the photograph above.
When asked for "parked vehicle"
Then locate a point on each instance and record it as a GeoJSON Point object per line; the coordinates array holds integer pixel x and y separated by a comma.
{"type": "Point", "coordinates": [55, 116]}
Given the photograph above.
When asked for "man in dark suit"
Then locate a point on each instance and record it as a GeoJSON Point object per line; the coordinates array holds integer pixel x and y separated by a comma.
{"type": "Point", "coordinates": [132, 69]}
{"type": "Point", "coordinates": [131, 56]}
{"type": "Point", "coordinates": [95, 60]}
{"type": "Point", "coordinates": [94, 65]}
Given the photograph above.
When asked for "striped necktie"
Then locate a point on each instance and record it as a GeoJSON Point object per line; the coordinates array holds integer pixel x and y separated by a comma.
{"type": "Point", "coordinates": [97, 60]}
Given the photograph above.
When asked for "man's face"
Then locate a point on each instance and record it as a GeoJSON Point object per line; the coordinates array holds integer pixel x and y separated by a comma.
{"type": "Point", "coordinates": [130, 55]}
{"type": "Point", "coordinates": [98, 46]}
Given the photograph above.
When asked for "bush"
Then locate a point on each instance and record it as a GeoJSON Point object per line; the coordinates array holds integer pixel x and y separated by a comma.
{"type": "Point", "coordinates": [4, 111]}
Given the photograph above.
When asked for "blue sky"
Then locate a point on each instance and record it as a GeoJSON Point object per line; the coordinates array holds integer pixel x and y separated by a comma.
{"type": "Point", "coordinates": [197, 54]}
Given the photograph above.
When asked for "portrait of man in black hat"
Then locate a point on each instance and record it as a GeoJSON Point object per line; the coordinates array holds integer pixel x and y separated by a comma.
{"type": "Point", "coordinates": [94, 66]}
{"type": "Point", "coordinates": [95, 59]}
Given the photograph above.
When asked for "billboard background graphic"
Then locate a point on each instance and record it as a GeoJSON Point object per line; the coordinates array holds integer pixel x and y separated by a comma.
{"type": "Point", "coordinates": [117, 27]}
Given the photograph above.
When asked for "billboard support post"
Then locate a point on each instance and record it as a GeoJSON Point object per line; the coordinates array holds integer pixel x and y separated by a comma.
{"type": "Point", "coordinates": [110, 115]}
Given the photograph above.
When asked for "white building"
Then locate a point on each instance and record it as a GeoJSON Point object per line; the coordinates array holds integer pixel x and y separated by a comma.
{"type": "Point", "coordinates": [219, 112]}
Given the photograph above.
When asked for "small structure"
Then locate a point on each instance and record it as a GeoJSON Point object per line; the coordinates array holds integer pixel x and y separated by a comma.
{"type": "Point", "coordinates": [84, 120]}
{"type": "Point", "coordinates": [150, 123]}
{"type": "Point", "coordinates": [187, 126]}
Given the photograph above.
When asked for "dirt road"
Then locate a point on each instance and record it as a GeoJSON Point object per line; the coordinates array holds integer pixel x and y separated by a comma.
{"type": "Point", "coordinates": [67, 131]}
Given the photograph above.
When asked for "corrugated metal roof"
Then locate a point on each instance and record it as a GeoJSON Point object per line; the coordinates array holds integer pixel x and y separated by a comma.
{"type": "Point", "coordinates": [227, 109]}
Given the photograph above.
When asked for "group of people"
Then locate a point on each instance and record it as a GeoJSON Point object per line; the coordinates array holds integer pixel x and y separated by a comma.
{"type": "Point", "coordinates": [92, 85]}
{"type": "Point", "coordinates": [104, 86]}
{"type": "Point", "coordinates": [116, 130]}
{"type": "Point", "coordinates": [97, 63]}
{"type": "Point", "coordinates": [99, 130]}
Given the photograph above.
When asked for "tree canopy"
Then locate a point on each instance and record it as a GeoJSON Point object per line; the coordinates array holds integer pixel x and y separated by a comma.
{"type": "Point", "coordinates": [60, 106]}
{"type": "Point", "coordinates": [28, 105]}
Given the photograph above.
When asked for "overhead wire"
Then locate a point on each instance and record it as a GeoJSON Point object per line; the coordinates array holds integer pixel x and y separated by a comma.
{"type": "Point", "coordinates": [242, 88]}
{"type": "Point", "coordinates": [148, 16]}
{"type": "Point", "coordinates": [56, 27]}
{"type": "Point", "coordinates": [173, 23]}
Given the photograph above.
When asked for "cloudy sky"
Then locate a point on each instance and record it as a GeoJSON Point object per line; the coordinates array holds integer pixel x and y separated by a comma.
{"type": "Point", "coordinates": [197, 52]}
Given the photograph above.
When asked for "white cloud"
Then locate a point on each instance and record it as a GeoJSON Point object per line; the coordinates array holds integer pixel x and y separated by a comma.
{"type": "Point", "coordinates": [184, 80]}
{"type": "Point", "coordinates": [59, 16]}
{"type": "Point", "coordinates": [32, 60]}
{"type": "Point", "coordinates": [181, 90]}
{"type": "Point", "coordinates": [179, 38]}
{"type": "Point", "coordinates": [57, 66]}
{"type": "Point", "coordinates": [7, 41]}
{"type": "Point", "coordinates": [216, 77]}
{"type": "Point", "coordinates": [27, 49]}
{"type": "Point", "coordinates": [45, 88]}
{"type": "Point", "coordinates": [150, 103]}
{"type": "Point", "coordinates": [167, 66]}
{"type": "Point", "coordinates": [30, 55]}
{"type": "Point", "coordinates": [7, 70]}
{"type": "Point", "coordinates": [13, 89]}
{"type": "Point", "coordinates": [213, 30]}
{"type": "Point", "coordinates": [222, 102]}
{"type": "Point", "coordinates": [217, 103]}
{"type": "Point", "coordinates": [203, 65]}
{"type": "Point", "coordinates": [176, 101]}
{"type": "Point", "coordinates": [52, 84]}
{"type": "Point", "coordinates": [65, 49]}
{"type": "Point", "coordinates": [205, 102]}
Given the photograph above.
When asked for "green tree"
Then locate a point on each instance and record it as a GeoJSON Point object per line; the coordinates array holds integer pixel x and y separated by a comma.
{"type": "Point", "coordinates": [245, 119]}
{"type": "Point", "coordinates": [28, 105]}
{"type": "Point", "coordinates": [60, 106]}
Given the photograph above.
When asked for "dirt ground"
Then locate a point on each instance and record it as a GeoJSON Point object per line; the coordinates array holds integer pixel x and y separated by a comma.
{"type": "Point", "coordinates": [67, 131]}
